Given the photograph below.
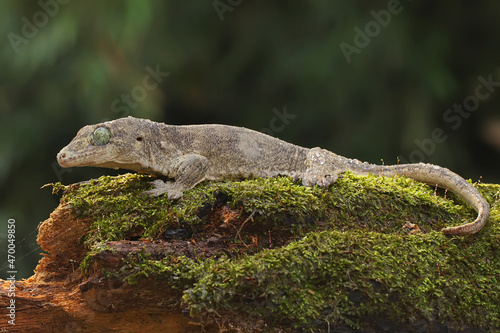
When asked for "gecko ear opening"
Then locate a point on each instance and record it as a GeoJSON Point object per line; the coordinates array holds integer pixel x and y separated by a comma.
{"type": "Point", "coordinates": [101, 136]}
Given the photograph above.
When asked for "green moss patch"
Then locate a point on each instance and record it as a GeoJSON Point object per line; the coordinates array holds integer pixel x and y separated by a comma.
{"type": "Point", "coordinates": [306, 257]}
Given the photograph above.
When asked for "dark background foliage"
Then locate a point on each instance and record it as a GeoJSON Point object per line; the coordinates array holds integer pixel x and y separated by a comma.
{"type": "Point", "coordinates": [397, 93]}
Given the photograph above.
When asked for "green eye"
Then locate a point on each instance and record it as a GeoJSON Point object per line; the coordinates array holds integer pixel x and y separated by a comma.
{"type": "Point", "coordinates": [101, 136]}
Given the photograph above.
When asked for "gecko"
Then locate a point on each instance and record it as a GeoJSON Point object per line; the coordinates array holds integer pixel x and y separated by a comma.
{"type": "Point", "coordinates": [189, 154]}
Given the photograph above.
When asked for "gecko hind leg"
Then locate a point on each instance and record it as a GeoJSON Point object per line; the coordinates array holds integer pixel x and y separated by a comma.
{"type": "Point", "coordinates": [321, 168]}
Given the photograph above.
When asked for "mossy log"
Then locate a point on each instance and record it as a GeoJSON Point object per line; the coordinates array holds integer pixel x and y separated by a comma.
{"type": "Point", "coordinates": [262, 255]}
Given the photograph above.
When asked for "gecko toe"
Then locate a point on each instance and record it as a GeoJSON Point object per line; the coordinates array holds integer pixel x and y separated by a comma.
{"type": "Point", "coordinates": [160, 187]}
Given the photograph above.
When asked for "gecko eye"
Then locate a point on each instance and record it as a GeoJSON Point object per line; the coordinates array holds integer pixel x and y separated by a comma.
{"type": "Point", "coordinates": [101, 136]}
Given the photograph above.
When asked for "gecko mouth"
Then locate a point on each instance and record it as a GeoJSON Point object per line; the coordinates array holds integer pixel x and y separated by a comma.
{"type": "Point", "coordinates": [66, 160]}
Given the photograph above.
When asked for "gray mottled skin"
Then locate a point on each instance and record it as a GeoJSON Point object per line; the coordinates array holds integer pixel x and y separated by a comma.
{"type": "Point", "coordinates": [193, 153]}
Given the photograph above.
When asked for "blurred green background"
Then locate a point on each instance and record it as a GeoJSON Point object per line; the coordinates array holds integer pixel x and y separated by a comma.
{"type": "Point", "coordinates": [370, 80]}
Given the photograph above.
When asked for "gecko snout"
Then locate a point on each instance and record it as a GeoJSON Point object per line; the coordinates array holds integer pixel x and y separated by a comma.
{"type": "Point", "coordinates": [61, 158]}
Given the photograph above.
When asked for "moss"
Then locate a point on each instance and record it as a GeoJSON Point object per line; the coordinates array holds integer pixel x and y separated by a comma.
{"type": "Point", "coordinates": [89, 258]}
{"type": "Point", "coordinates": [338, 277]}
{"type": "Point", "coordinates": [346, 258]}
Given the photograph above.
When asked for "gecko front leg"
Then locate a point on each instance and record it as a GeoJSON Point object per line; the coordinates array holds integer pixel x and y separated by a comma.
{"type": "Point", "coordinates": [187, 171]}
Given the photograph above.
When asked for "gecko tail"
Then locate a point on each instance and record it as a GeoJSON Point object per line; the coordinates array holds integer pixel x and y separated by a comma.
{"type": "Point", "coordinates": [324, 162]}
{"type": "Point", "coordinates": [444, 178]}
{"type": "Point", "coordinates": [472, 227]}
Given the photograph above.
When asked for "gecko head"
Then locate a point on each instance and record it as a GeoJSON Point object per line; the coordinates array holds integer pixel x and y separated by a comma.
{"type": "Point", "coordinates": [114, 144]}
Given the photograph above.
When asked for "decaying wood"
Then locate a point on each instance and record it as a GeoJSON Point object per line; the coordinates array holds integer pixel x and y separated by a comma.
{"type": "Point", "coordinates": [57, 298]}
